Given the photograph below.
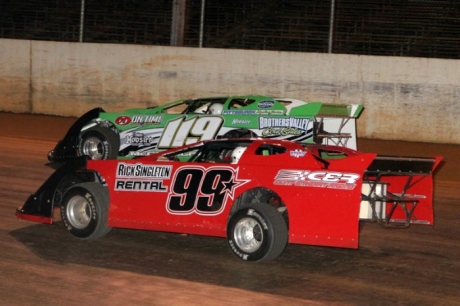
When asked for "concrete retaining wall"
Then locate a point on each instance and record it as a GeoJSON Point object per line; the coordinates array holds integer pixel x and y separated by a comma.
{"type": "Point", "coordinates": [411, 99]}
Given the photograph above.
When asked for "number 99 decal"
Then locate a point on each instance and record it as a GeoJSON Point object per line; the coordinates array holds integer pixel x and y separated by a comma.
{"type": "Point", "coordinates": [203, 191]}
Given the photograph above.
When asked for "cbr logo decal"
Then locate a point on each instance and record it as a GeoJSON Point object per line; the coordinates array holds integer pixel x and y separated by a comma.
{"type": "Point", "coordinates": [320, 179]}
{"type": "Point", "coordinates": [179, 132]}
{"type": "Point", "coordinates": [202, 191]}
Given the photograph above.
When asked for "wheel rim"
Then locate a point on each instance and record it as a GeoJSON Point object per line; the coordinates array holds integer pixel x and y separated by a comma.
{"type": "Point", "coordinates": [78, 212]}
{"type": "Point", "coordinates": [93, 147]}
{"type": "Point", "coordinates": [248, 235]}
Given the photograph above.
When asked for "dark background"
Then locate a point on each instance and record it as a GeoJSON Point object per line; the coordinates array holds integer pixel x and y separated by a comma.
{"type": "Point", "coordinates": [415, 28]}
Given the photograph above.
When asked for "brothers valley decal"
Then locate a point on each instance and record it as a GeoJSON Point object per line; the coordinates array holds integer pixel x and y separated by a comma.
{"type": "Point", "coordinates": [283, 126]}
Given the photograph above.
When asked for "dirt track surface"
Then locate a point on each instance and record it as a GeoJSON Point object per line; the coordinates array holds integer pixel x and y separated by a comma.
{"type": "Point", "coordinates": [44, 265]}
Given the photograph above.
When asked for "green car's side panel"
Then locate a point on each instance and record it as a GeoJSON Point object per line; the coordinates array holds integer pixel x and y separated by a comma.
{"type": "Point", "coordinates": [185, 121]}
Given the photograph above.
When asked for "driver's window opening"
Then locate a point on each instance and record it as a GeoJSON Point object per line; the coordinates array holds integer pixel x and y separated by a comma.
{"type": "Point", "coordinates": [207, 106]}
{"type": "Point", "coordinates": [225, 153]}
{"type": "Point", "coordinates": [267, 149]}
{"type": "Point", "coordinates": [182, 156]}
{"type": "Point", "coordinates": [238, 103]}
{"type": "Point", "coordinates": [221, 152]}
{"type": "Point", "coordinates": [177, 109]}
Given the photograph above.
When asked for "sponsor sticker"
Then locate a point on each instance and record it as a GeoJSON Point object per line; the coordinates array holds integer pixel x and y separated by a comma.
{"type": "Point", "coordinates": [240, 121]}
{"type": "Point", "coordinates": [266, 104]}
{"type": "Point", "coordinates": [140, 185]}
{"type": "Point", "coordinates": [254, 112]}
{"type": "Point", "coordinates": [139, 139]}
{"type": "Point", "coordinates": [144, 171]}
{"type": "Point", "coordinates": [318, 179]}
{"type": "Point", "coordinates": [283, 126]}
{"type": "Point", "coordinates": [297, 153]}
{"type": "Point", "coordinates": [146, 119]}
{"type": "Point", "coordinates": [140, 177]}
{"type": "Point", "coordinates": [141, 119]}
{"type": "Point", "coordinates": [123, 120]}
{"type": "Point", "coordinates": [289, 122]}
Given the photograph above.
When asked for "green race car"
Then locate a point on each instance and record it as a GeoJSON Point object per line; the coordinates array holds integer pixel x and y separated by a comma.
{"type": "Point", "coordinates": [139, 132]}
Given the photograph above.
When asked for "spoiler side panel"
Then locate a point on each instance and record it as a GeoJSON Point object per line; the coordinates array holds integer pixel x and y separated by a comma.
{"type": "Point", "coordinates": [39, 207]}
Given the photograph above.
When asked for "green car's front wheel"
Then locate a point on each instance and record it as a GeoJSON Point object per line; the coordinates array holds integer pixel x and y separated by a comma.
{"type": "Point", "coordinates": [98, 143]}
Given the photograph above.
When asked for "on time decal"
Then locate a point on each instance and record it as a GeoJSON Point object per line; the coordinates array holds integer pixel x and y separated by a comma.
{"type": "Point", "coordinates": [195, 189]}
{"type": "Point", "coordinates": [320, 179]}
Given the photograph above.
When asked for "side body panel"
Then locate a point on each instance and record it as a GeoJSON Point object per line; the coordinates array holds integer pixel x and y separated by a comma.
{"type": "Point", "coordinates": [322, 204]}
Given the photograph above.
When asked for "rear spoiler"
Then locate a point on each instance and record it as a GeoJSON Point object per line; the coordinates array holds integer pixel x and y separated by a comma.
{"type": "Point", "coordinates": [336, 124]}
{"type": "Point", "coordinates": [398, 191]}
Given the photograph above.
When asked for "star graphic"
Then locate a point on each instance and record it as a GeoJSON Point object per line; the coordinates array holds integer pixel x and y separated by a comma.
{"type": "Point", "coordinates": [231, 185]}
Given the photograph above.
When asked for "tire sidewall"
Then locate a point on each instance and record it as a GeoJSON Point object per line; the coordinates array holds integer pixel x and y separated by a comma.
{"type": "Point", "coordinates": [103, 134]}
{"type": "Point", "coordinates": [93, 206]}
{"type": "Point", "coordinates": [264, 224]}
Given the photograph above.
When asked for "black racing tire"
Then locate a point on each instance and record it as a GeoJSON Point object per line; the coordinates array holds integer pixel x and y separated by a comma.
{"type": "Point", "coordinates": [99, 142]}
{"type": "Point", "coordinates": [257, 232]}
{"type": "Point", "coordinates": [84, 210]}
{"type": "Point", "coordinates": [240, 133]}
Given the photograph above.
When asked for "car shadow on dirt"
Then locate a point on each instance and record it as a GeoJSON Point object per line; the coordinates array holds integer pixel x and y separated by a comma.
{"type": "Point", "coordinates": [186, 257]}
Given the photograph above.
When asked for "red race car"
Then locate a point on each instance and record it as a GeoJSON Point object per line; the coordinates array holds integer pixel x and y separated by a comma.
{"type": "Point", "coordinates": [259, 194]}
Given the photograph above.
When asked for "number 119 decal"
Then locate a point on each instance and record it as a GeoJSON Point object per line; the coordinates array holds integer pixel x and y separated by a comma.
{"type": "Point", "coordinates": [202, 191]}
{"type": "Point", "coordinates": [179, 132]}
